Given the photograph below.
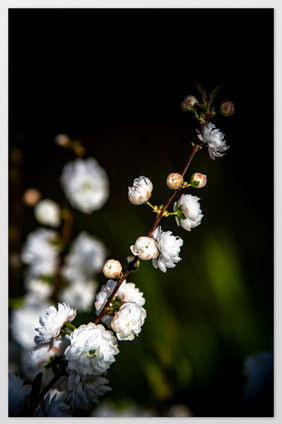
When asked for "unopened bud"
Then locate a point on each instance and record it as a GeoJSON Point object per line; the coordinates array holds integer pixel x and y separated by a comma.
{"type": "Point", "coordinates": [174, 181]}
{"type": "Point", "coordinates": [141, 191]}
{"type": "Point", "coordinates": [47, 212]}
{"type": "Point", "coordinates": [145, 248]}
{"type": "Point", "coordinates": [112, 268]}
{"type": "Point", "coordinates": [227, 108]}
{"type": "Point", "coordinates": [198, 180]}
{"type": "Point", "coordinates": [62, 140]}
{"type": "Point", "coordinates": [31, 196]}
{"type": "Point", "coordinates": [189, 103]}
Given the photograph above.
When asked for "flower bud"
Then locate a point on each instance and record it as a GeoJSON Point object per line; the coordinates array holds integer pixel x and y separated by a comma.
{"type": "Point", "coordinates": [174, 181]}
{"type": "Point", "coordinates": [47, 212]}
{"type": "Point", "coordinates": [62, 140]}
{"type": "Point", "coordinates": [198, 180]}
{"type": "Point", "coordinates": [145, 248]}
{"type": "Point", "coordinates": [31, 196]}
{"type": "Point", "coordinates": [112, 268]}
{"type": "Point", "coordinates": [141, 191]}
{"type": "Point", "coordinates": [227, 108]}
{"type": "Point", "coordinates": [188, 103]}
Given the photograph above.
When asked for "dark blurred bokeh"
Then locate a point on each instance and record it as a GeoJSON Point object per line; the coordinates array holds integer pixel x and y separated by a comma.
{"type": "Point", "coordinates": [115, 79]}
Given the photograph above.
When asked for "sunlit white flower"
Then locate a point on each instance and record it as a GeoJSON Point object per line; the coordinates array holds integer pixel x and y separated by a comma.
{"type": "Point", "coordinates": [169, 248]}
{"type": "Point", "coordinates": [112, 268]}
{"type": "Point", "coordinates": [47, 212]}
{"type": "Point", "coordinates": [53, 406]}
{"type": "Point", "coordinates": [53, 321]}
{"type": "Point", "coordinates": [191, 210]}
{"type": "Point", "coordinates": [141, 190]}
{"type": "Point", "coordinates": [87, 256]}
{"type": "Point", "coordinates": [145, 248]}
{"type": "Point", "coordinates": [23, 322]}
{"type": "Point", "coordinates": [40, 252]}
{"type": "Point", "coordinates": [128, 320]}
{"type": "Point", "coordinates": [18, 392]}
{"type": "Point", "coordinates": [92, 349]}
{"type": "Point", "coordinates": [85, 184]}
{"type": "Point", "coordinates": [80, 294]}
{"type": "Point", "coordinates": [127, 292]}
{"type": "Point", "coordinates": [83, 391]}
{"type": "Point", "coordinates": [215, 140]}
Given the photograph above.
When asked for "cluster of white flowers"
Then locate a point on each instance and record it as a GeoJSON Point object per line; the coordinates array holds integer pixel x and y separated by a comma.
{"type": "Point", "coordinates": [190, 207]}
{"type": "Point", "coordinates": [127, 315]}
{"type": "Point", "coordinates": [85, 184]}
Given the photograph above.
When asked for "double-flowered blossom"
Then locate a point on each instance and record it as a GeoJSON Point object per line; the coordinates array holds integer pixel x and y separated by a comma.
{"type": "Point", "coordinates": [40, 252]}
{"type": "Point", "coordinates": [42, 353]}
{"type": "Point", "coordinates": [128, 321]}
{"type": "Point", "coordinates": [53, 321]}
{"type": "Point", "coordinates": [53, 405]}
{"type": "Point", "coordinates": [92, 349]}
{"type": "Point", "coordinates": [141, 191]}
{"type": "Point", "coordinates": [214, 138]}
{"type": "Point", "coordinates": [145, 248]}
{"type": "Point", "coordinates": [190, 207]}
{"type": "Point", "coordinates": [86, 257]}
{"type": "Point", "coordinates": [127, 292]}
{"type": "Point", "coordinates": [169, 248]}
{"type": "Point", "coordinates": [85, 184]}
{"type": "Point", "coordinates": [47, 212]}
{"type": "Point", "coordinates": [83, 391]}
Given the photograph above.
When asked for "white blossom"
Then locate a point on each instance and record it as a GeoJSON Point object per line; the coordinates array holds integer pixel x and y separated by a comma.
{"type": "Point", "coordinates": [18, 392]}
{"type": "Point", "coordinates": [40, 252]}
{"type": "Point", "coordinates": [86, 257]}
{"type": "Point", "coordinates": [215, 140]}
{"type": "Point", "coordinates": [23, 322]}
{"type": "Point", "coordinates": [53, 321]}
{"type": "Point", "coordinates": [53, 406]}
{"type": "Point", "coordinates": [92, 349]}
{"type": "Point", "coordinates": [191, 210]}
{"type": "Point", "coordinates": [80, 294]}
{"type": "Point", "coordinates": [85, 184]}
{"type": "Point", "coordinates": [145, 248]}
{"type": "Point", "coordinates": [127, 292]}
{"type": "Point", "coordinates": [47, 212]}
{"type": "Point", "coordinates": [41, 354]}
{"type": "Point", "coordinates": [82, 391]}
{"type": "Point", "coordinates": [128, 320]}
{"type": "Point", "coordinates": [169, 247]}
{"type": "Point", "coordinates": [141, 190]}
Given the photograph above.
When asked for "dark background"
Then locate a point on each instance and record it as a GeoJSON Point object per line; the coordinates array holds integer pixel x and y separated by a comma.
{"type": "Point", "coordinates": [115, 78]}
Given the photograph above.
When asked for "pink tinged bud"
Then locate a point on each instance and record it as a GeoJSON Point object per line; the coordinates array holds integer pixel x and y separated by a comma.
{"type": "Point", "coordinates": [62, 140]}
{"type": "Point", "coordinates": [112, 268]}
{"type": "Point", "coordinates": [174, 181]}
{"type": "Point", "coordinates": [141, 191]}
{"type": "Point", "coordinates": [227, 108]}
{"type": "Point", "coordinates": [145, 248]}
{"type": "Point", "coordinates": [31, 197]}
{"type": "Point", "coordinates": [198, 180]}
{"type": "Point", "coordinates": [189, 103]}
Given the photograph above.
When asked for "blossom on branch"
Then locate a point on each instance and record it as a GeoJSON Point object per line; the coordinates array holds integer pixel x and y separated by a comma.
{"type": "Point", "coordinates": [53, 321]}
{"type": "Point", "coordinates": [145, 248]}
{"type": "Point", "coordinates": [47, 212]}
{"type": "Point", "coordinates": [214, 138]}
{"type": "Point", "coordinates": [92, 349]}
{"type": "Point", "coordinates": [141, 191]}
{"type": "Point", "coordinates": [169, 248]}
{"type": "Point", "coordinates": [191, 210]}
{"type": "Point", "coordinates": [85, 184]}
{"type": "Point", "coordinates": [128, 321]}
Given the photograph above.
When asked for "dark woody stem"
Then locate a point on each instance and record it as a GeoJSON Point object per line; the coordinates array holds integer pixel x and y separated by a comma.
{"type": "Point", "coordinates": [154, 226]}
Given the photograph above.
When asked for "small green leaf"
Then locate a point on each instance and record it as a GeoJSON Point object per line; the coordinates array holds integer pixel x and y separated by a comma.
{"type": "Point", "coordinates": [214, 94]}
{"type": "Point", "coordinates": [202, 91]}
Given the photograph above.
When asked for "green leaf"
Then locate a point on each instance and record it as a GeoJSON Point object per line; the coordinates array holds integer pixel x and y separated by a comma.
{"type": "Point", "coordinates": [214, 94]}
{"type": "Point", "coordinates": [203, 94]}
